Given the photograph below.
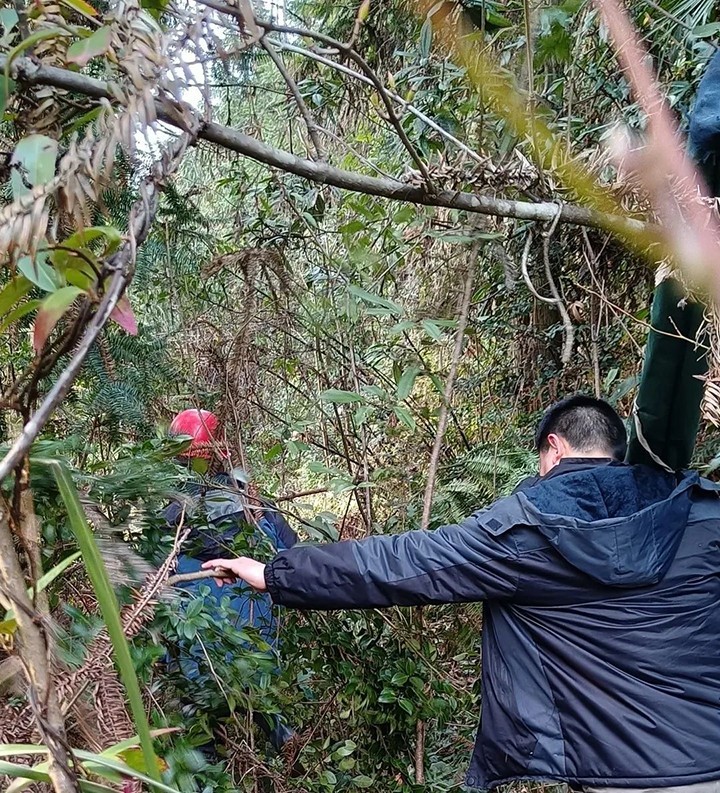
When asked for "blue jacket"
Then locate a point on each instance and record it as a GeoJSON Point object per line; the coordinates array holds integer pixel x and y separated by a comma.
{"type": "Point", "coordinates": [212, 536]}
{"type": "Point", "coordinates": [704, 131]}
{"type": "Point", "coordinates": [601, 639]}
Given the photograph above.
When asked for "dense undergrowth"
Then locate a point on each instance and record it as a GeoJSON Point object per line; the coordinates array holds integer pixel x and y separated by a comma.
{"type": "Point", "coordinates": [320, 325]}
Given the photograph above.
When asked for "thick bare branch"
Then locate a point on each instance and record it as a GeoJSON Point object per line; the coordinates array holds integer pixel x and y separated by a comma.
{"type": "Point", "coordinates": [636, 232]}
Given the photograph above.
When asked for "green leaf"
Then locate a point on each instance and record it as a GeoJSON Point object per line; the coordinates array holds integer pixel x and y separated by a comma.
{"type": "Point", "coordinates": [155, 8]}
{"type": "Point", "coordinates": [31, 41]}
{"type": "Point", "coordinates": [330, 777]}
{"type": "Point", "coordinates": [347, 749]}
{"type": "Point", "coordinates": [51, 309]}
{"type": "Point", "coordinates": [273, 452]}
{"type": "Point", "coordinates": [407, 381]}
{"type": "Point", "coordinates": [497, 19]}
{"type": "Point", "coordinates": [432, 329]}
{"type": "Point", "coordinates": [25, 776]}
{"type": "Point", "coordinates": [405, 214]}
{"type": "Point", "coordinates": [17, 313]}
{"type": "Point", "coordinates": [81, 7]}
{"type": "Point", "coordinates": [129, 743]}
{"type": "Point", "coordinates": [6, 90]}
{"type": "Point", "coordinates": [8, 627]}
{"type": "Point", "coordinates": [47, 579]}
{"type": "Point", "coordinates": [363, 781]}
{"type": "Point", "coordinates": [341, 397]}
{"type": "Point", "coordinates": [14, 290]}
{"type": "Point", "coordinates": [406, 705]}
{"type": "Point", "coordinates": [33, 163]}
{"type": "Point", "coordinates": [133, 756]}
{"type": "Point", "coordinates": [39, 272]}
{"type": "Point", "coordinates": [426, 39]}
{"type": "Point", "coordinates": [111, 615]}
{"type": "Point", "coordinates": [8, 19]}
{"type": "Point", "coordinates": [82, 51]}
{"type": "Point", "coordinates": [402, 327]}
{"type": "Point", "coordinates": [387, 695]}
{"type": "Point", "coordinates": [374, 300]}
{"type": "Point", "coordinates": [77, 246]}
{"type": "Point", "coordinates": [405, 416]}
{"type": "Point", "coordinates": [705, 31]}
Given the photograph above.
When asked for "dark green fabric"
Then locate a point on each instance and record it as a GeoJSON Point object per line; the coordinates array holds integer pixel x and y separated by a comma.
{"type": "Point", "coordinates": [668, 401]}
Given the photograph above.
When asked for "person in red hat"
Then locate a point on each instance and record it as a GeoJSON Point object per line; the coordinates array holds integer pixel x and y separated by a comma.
{"type": "Point", "coordinates": [206, 440]}
{"type": "Point", "coordinates": [219, 513]}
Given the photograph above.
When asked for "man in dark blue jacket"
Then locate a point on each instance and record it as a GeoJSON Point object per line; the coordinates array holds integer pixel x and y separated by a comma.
{"type": "Point", "coordinates": [601, 639]}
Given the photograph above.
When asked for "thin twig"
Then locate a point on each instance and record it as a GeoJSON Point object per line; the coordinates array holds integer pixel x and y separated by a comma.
{"type": "Point", "coordinates": [559, 302]}
{"type": "Point", "coordinates": [339, 67]}
{"type": "Point", "coordinates": [312, 127]}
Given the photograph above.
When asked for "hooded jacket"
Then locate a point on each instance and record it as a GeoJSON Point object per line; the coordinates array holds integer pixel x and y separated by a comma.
{"type": "Point", "coordinates": [601, 639]}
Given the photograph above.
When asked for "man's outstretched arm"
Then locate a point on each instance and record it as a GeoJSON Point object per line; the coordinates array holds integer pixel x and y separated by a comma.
{"type": "Point", "coordinates": [458, 563]}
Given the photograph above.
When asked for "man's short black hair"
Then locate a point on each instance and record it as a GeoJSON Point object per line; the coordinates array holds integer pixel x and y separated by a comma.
{"type": "Point", "coordinates": [586, 423]}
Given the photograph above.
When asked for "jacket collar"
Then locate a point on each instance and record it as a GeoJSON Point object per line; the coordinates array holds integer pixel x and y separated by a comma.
{"type": "Point", "coordinates": [570, 465]}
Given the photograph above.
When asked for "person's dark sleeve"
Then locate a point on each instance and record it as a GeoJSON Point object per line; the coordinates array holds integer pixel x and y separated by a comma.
{"type": "Point", "coordinates": [704, 132]}
{"type": "Point", "coordinates": [286, 537]}
{"type": "Point", "coordinates": [454, 564]}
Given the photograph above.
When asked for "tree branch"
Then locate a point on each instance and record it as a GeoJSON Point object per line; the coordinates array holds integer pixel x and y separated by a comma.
{"type": "Point", "coordinates": [636, 232]}
{"type": "Point", "coordinates": [312, 127]}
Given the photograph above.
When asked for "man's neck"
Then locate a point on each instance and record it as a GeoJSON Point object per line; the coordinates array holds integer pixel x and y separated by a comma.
{"type": "Point", "coordinates": [578, 463]}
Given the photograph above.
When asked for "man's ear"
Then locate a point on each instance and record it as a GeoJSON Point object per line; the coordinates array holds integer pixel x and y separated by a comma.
{"type": "Point", "coordinates": [557, 444]}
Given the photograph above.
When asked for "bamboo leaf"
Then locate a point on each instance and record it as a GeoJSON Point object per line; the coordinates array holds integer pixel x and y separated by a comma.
{"type": "Point", "coordinates": [47, 579]}
{"type": "Point", "coordinates": [407, 381]}
{"type": "Point", "coordinates": [375, 300]}
{"type": "Point", "coordinates": [341, 397]}
{"type": "Point", "coordinates": [405, 416]}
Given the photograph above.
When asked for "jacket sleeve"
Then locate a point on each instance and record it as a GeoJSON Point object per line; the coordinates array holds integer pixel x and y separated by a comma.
{"type": "Point", "coordinates": [704, 132]}
{"type": "Point", "coordinates": [455, 564]}
{"type": "Point", "coordinates": [286, 537]}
